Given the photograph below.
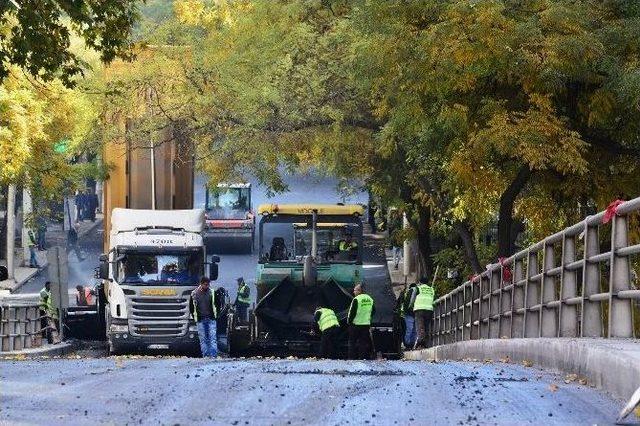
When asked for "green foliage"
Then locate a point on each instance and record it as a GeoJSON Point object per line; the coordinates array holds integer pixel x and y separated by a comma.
{"type": "Point", "coordinates": [36, 36]}
{"type": "Point", "coordinates": [437, 104]}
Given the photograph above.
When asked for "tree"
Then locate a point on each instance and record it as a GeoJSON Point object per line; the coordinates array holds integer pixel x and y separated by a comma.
{"type": "Point", "coordinates": [35, 35]}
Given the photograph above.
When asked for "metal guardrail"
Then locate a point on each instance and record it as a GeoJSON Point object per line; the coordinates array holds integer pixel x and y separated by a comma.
{"type": "Point", "coordinates": [20, 327]}
{"type": "Point", "coordinates": [545, 291]}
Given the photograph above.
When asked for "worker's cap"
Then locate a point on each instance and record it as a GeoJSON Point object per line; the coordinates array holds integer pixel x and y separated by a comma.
{"type": "Point", "coordinates": [424, 280]}
{"type": "Point", "coordinates": [79, 287]}
{"type": "Point", "coordinates": [240, 280]}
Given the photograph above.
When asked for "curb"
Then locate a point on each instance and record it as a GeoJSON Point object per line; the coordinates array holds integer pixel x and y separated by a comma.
{"type": "Point", "coordinates": [48, 350]}
{"type": "Point", "coordinates": [32, 274]}
{"type": "Point", "coordinates": [610, 364]}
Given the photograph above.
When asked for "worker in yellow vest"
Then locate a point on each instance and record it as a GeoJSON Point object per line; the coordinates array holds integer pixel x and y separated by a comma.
{"type": "Point", "coordinates": [50, 313]}
{"type": "Point", "coordinates": [423, 312]}
{"type": "Point", "coordinates": [326, 323]}
{"type": "Point", "coordinates": [359, 320]}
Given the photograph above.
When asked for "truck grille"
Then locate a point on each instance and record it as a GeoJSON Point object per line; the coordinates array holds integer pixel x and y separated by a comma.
{"type": "Point", "coordinates": [158, 316]}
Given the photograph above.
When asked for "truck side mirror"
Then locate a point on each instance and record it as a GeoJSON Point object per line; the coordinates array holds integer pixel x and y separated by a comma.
{"type": "Point", "coordinates": [213, 271]}
{"type": "Point", "coordinates": [103, 272]}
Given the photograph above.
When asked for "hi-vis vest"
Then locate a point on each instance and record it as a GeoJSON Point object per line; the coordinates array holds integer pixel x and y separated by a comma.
{"type": "Point", "coordinates": [365, 309]}
{"type": "Point", "coordinates": [424, 299]}
{"type": "Point", "coordinates": [242, 298]}
{"type": "Point", "coordinates": [327, 319]}
{"type": "Point", "coordinates": [46, 303]}
{"type": "Point", "coordinates": [195, 305]}
{"type": "Point", "coordinates": [345, 246]}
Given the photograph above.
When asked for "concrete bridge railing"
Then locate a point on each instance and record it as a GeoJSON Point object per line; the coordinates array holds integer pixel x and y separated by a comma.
{"type": "Point", "coordinates": [562, 286]}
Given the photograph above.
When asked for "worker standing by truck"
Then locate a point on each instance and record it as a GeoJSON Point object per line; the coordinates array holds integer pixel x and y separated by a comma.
{"type": "Point", "coordinates": [203, 308]}
{"type": "Point", "coordinates": [242, 300]}
{"type": "Point", "coordinates": [326, 323]}
{"type": "Point", "coordinates": [359, 320]}
{"type": "Point", "coordinates": [51, 312]}
{"type": "Point", "coordinates": [423, 312]}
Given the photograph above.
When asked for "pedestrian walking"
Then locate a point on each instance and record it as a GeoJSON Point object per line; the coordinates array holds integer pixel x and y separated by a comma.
{"type": "Point", "coordinates": [423, 312]}
{"type": "Point", "coordinates": [326, 323]}
{"type": "Point", "coordinates": [41, 225]}
{"type": "Point", "coordinates": [33, 245]}
{"type": "Point", "coordinates": [91, 201]}
{"type": "Point", "coordinates": [81, 205]}
{"type": "Point", "coordinates": [396, 236]}
{"type": "Point", "coordinates": [202, 306]}
{"type": "Point", "coordinates": [242, 300]}
{"type": "Point", "coordinates": [359, 320]}
{"type": "Point", "coordinates": [50, 313]}
{"type": "Point", "coordinates": [72, 241]}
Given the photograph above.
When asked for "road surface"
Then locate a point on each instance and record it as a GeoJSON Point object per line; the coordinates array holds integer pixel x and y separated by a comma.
{"type": "Point", "coordinates": [280, 392]}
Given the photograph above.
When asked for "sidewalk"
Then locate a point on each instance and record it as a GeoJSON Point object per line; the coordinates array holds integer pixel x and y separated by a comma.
{"type": "Point", "coordinates": [397, 275]}
{"type": "Point", "coordinates": [55, 236]}
{"type": "Point", "coordinates": [46, 350]}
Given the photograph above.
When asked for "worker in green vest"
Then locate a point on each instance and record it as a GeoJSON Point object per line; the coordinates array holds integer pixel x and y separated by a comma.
{"type": "Point", "coordinates": [423, 312]}
{"type": "Point", "coordinates": [359, 320]}
{"type": "Point", "coordinates": [242, 300]}
{"type": "Point", "coordinates": [326, 323]}
{"type": "Point", "coordinates": [50, 314]}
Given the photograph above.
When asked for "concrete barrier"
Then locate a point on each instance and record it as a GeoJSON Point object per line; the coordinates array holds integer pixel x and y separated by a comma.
{"type": "Point", "coordinates": [610, 364]}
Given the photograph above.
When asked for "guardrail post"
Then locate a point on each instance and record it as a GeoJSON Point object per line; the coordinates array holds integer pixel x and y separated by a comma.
{"type": "Point", "coordinates": [620, 319]}
{"type": "Point", "coordinates": [466, 311]}
{"type": "Point", "coordinates": [517, 300]}
{"type": "Point", "coordinates": [591, 321]}
{"type": "Point", "coordinates": [485, 310]}
{"type": "Point", "coordinates": [475, 310]}
{"type": "Point", "coordinates": [532, 295]}
{"type": "Point", "coordinates": [459, 307]}
{"type": "Point", "coordinates": [506, 296]}
{"type": "Point", "coordinates": [548, 316]}
{"type": "Point", "coordinates": [568, 289]}
{"type": "Point", "coordinates": [494, 303]}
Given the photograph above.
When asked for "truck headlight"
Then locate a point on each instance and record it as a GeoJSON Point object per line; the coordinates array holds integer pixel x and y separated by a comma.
{"type": "Point", "coordinates": [119, 328]}
{"type": "Point", "coordinates": [193, 328]}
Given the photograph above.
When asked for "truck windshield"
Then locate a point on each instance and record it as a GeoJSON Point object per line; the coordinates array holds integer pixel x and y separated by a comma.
{"type": "Point", "coordinates": [283, 242]}
{"type": "Point", "coordinates": [181, 268]}
{"type": "Point", "coordinates": [228, 198]}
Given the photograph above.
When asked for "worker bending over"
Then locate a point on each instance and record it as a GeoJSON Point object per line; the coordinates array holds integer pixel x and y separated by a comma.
{"type": "Point", "coordinates": [326, 323]}
{"type": "Point", "coordinates": [359, 320]}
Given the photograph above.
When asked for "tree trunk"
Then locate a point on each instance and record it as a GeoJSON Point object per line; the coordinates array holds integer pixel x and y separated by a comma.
{"type": "Point", "coordinates": [462, 228]}
{"type": "Point", "coordinates": [423, 230]}
{"type": "Point", "coordinates": [506, 240]}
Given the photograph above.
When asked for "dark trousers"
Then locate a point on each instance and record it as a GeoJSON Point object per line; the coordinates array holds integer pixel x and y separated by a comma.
{"type": "Point", "coordinates": [360, 345]}
{"type": "Point", "coordinates": [424, 319]}
{"type": "Point", "coordinates": [241, 311]}
{"type": "Point", "coordinates": [329, 343]}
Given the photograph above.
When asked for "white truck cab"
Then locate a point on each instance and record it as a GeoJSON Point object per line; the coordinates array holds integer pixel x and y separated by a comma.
{"type": "Point", "coordinates": [155, 259]}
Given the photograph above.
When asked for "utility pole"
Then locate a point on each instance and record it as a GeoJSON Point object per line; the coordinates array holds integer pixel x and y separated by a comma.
{"type": "Point", "coordinates": [406, 258]}
{"type": "Point", "coordinates": [27, 209]}
{"type": "Point", "coordinates": [11, 230]}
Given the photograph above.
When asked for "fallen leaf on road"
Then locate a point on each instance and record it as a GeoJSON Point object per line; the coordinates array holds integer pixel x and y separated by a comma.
{"type": "Point", "coordinates": [583, 381]}
{"type": "Point", "coordinates": [570, 378]}
{"type": "Point", "coordinates": [527, 363]}
{"type": "Point", "coordinates": [505, 360]}
{"type": "Point", "coordinates": [553, 387]}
